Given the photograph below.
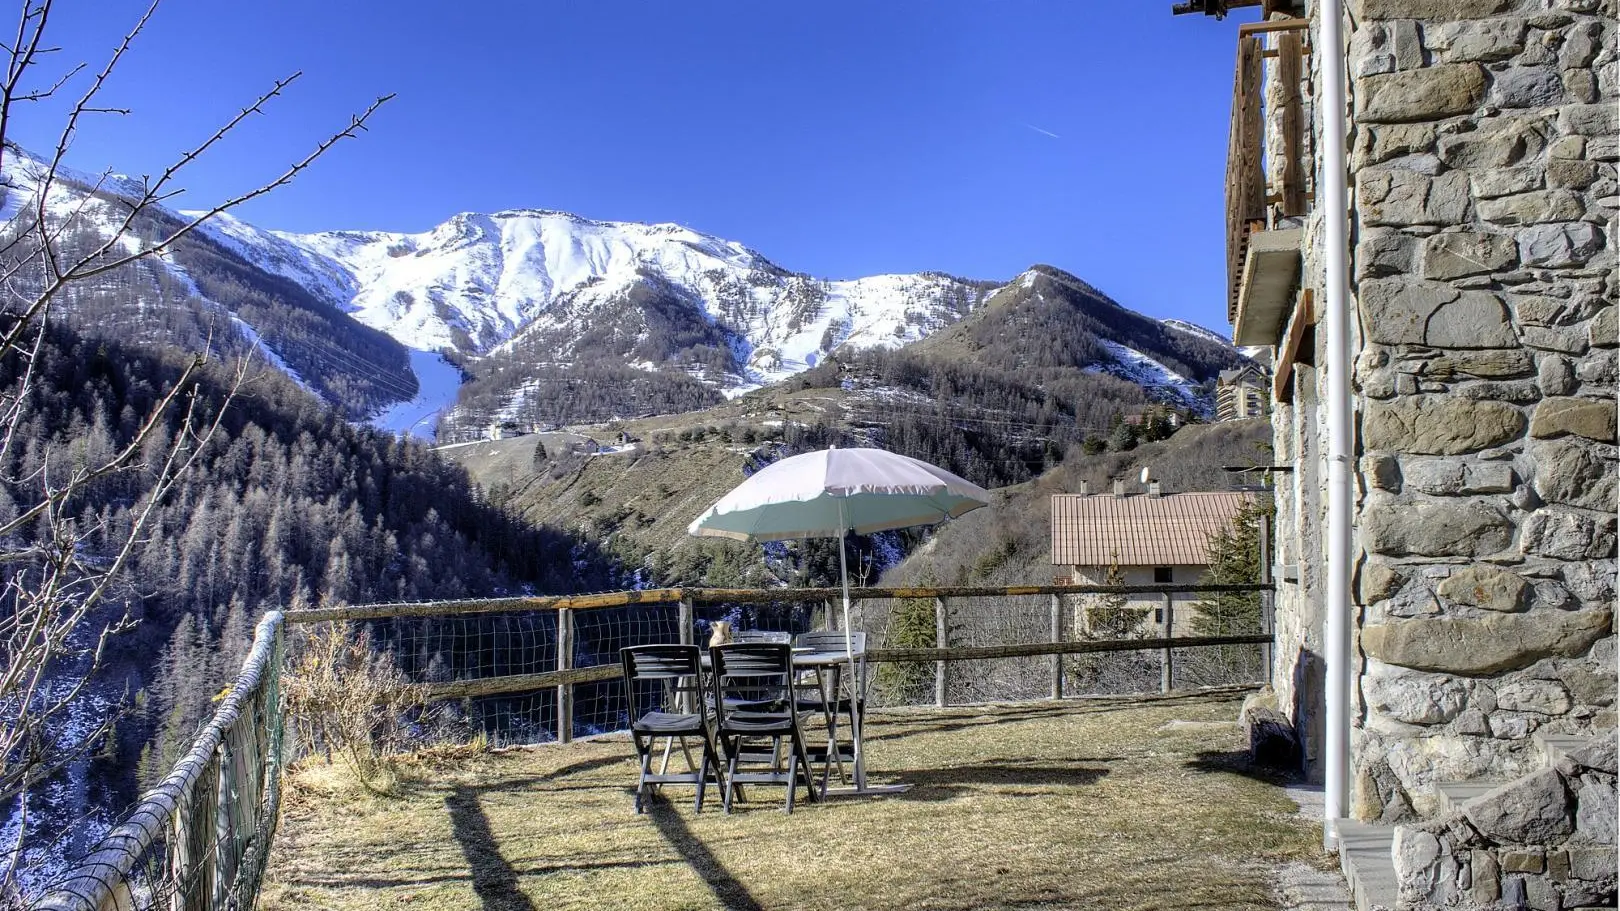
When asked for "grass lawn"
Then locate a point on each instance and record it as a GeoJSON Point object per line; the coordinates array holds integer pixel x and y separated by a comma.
{"type": "Point", "coordinates": [1125, 803]}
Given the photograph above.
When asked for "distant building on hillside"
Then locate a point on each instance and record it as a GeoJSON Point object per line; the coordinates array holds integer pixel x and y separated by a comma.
{"type": "Point", "coordinates": [1154, 538]}
{"type": "Point", "coordinates": [1242, 393]}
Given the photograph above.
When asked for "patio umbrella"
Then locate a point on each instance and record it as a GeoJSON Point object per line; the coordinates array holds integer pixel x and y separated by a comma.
{"type": "Point", "coordinates": [832, 492]}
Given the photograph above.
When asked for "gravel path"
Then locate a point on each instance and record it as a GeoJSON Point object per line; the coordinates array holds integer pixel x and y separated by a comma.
{"type": "Point", "coordinates": [1301, 886]}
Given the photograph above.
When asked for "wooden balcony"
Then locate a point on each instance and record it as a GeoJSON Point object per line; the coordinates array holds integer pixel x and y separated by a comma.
{"type": "Point", "coordinates": [1255, 203]}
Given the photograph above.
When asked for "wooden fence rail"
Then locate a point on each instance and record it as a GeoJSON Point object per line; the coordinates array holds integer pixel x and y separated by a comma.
{"type": "Point", "coordinates": [606, 600]}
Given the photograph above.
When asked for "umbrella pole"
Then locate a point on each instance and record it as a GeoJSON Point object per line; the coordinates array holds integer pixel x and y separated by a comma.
{"type": "Point", "coordinates": [855, 683]}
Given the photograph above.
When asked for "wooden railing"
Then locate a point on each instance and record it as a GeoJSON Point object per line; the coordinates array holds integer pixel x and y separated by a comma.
{"type": "Point", "coordinates": [198, 841]}
{"type": "Point", "coordinates": [1248, 192]}
{"type": "Point", "coordinates": [684, 600]}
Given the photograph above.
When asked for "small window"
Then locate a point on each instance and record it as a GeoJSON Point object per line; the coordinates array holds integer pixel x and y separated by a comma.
{"type": "Point", "coordinates": [1158, 616]}
{"type": "Point", "coordinates": [1161, 575]}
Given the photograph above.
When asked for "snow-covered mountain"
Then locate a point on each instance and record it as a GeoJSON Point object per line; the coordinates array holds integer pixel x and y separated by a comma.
{"type": "Point", "coordinates": [477, 282]}
{"type": "Point", "coordinates": [524, 299]}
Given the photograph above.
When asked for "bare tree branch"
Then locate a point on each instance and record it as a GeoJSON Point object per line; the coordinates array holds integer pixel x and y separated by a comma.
{"type": "Point", "coordinates": [60, 601]}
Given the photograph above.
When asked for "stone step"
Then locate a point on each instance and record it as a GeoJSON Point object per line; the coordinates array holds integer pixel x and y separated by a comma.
{"type": "Point", "coordinates": [1364, 855]}
{"type": "Point", "coordinates": [1453, 794]}
{"type": "Point", "coordinates": [1556, 746]}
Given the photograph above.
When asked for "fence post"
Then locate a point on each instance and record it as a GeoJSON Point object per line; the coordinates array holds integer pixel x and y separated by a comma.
{"type": "Point", "coordinates": [222, 823]}
{"type": "Point", "coordinates": [1266, 597]}
{"type": "Point", "coordinates": [565, 662]}
{"type": "Point", "coordinates": [687, 619]}
{"type": "Point", "coordinates": [942, 639]}
{"type": "Point", "coordinates": [1167, 663]}
{"type": "Point", "coordinates": [1057, 636]}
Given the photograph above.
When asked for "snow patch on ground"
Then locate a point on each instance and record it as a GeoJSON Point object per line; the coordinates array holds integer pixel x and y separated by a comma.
{"type": "Point", "coordinates": [1195, 329]}
{"type": "Point", "coordinates": [269, 353]}
{"type": "Point", "coordinates": [437, 382]}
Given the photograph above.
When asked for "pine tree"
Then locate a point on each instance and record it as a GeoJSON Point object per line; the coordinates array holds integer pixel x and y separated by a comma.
{"type": "Point", "coordinates": [1111, 615]}
{"type": "Point", "coordinates": [1123, 438]}
{"type": "Point", "coordinates": [1234, 559]}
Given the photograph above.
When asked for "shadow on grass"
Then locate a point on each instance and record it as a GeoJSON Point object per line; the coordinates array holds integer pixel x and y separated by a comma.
{"type": "Point", "coordinates": [1237, 762]}
{"type": "Point", "coordinates": [944, 721]}
{"type": "Point", "coordinates": [934, 785]}
{"type": "Point", "coordinates": [493, 878]}
{"type": "Point", "coordinates": [731, 894]}
{"type": "Point", "coordinates": [590, 765]}
{"type": "Point", "coordinates": [433, 877]}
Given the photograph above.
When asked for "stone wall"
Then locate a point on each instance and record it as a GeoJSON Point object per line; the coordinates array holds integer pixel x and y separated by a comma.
{"type": "Point", "coordinates": [1482, 165]}
{"type": "Point", "coordinates": [1483, 146]}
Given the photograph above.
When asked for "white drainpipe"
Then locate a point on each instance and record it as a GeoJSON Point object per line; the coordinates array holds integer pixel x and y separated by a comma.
{"type": "Point", "coordinates": [1335, 217]}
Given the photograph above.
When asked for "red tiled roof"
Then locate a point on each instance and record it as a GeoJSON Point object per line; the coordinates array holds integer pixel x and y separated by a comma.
{"type": "Point", "coordinates": [1138, 530]}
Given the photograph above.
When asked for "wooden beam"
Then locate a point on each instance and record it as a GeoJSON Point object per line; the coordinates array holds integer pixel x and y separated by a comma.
{"type": "Point", "coordinates": [1282, 388]}
{"type": "Point", "coordinates": [517, 683]}
{"type": "Point", "coordinates": [1274, 25]}
{"type": "Point", "coordinates": [484, 606]}
{"type": "Point", "coordinates": [1291, 123]}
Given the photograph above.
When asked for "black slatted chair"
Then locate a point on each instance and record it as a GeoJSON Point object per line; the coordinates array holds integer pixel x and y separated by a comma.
{"type": "Point", "coordinates": [679, 668]}
{"type": "Point", "coordinates": [756, 699]}
{"type": "Point", "coordinates": [753, 668]}
{"type": "Point", "coordinates": [815, 698]}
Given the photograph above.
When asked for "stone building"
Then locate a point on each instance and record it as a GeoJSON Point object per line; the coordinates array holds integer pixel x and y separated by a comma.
{"type": "Point", "coordinates": [1435, 271]}
{"type": "Point", "coordinates": [1153, 538]}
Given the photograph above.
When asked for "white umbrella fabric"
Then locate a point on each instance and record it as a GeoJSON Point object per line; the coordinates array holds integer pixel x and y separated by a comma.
{"type": "Point", "coordinates": [832, 492]}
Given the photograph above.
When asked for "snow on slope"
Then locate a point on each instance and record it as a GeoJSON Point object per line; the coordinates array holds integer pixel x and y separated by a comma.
{"type": "Point", "coordinates": [1200, 331]}
{"type": "Point", "coordinates": [317, 274]}
{"type": "Point", "coordinates": [471, 282]}
{"type": "Point", "coordinates": [478, 283]}
{"type": "Point", "coordinates": [438, 382]}
{"type": "Point", "coordinates": [1130, 364]}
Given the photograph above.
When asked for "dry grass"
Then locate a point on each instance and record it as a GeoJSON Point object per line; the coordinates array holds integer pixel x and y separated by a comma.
{"type": "Point", "coordinates": [1077, 804]}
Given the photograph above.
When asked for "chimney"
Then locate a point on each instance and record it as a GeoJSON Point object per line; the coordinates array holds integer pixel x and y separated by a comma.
{"type": "Point", "coordinates": [1085, 489]}
{"type": "Point", "coordinates": [1154, 490]}
{"type": "Point", "coordinates": [1119, 488]}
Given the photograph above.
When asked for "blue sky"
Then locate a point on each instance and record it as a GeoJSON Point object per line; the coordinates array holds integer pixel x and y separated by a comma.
{"type": "Point", "coordinates": [837, 138]}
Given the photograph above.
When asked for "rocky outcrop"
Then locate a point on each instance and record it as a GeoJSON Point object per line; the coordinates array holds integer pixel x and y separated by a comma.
{"type": "Point", "coordinates": [1544, 841]}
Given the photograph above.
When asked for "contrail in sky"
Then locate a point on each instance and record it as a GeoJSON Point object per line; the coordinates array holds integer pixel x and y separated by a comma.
{"type": "Point", "coordinates": [1040, 131]}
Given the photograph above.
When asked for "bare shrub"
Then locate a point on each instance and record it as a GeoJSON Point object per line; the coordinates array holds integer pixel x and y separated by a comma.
{"type": "Point", "coordinates": [349, 702]}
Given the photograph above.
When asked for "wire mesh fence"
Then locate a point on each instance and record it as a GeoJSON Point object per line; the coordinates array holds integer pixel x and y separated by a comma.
{"type": "Point", "coordinates": [551, 673]}
{"type": "Point", "coordinates": [200, 839]}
